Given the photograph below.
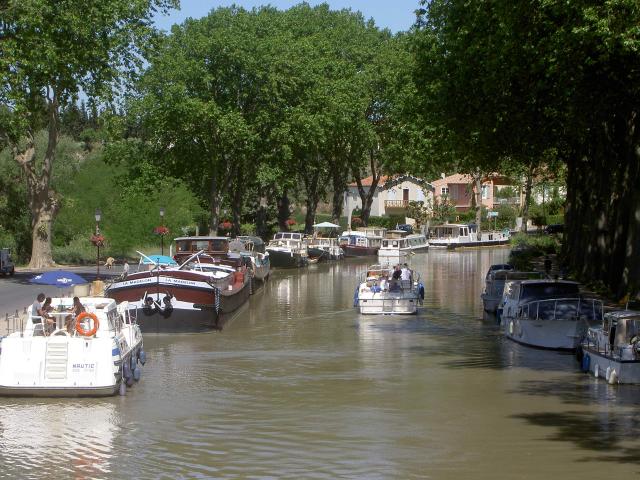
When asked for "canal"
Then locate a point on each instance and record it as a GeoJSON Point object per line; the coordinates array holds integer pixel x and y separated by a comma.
{"type": "Point", "coordinates": [300, 386]}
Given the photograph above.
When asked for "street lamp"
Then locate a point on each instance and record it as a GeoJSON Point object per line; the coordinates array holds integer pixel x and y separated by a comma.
{"type": "Point", "coordinates": [98, 216]}
{"type": "Point", "coordinates": [162, 235]}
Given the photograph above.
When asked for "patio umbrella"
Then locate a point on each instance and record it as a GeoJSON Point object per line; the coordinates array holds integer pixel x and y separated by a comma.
{"type": "Point", "coordinates": [158, 260]}
{"type": "Point", "coordinates": [59, 278]}
{"type": "Point", "coordinates": [326, 225]}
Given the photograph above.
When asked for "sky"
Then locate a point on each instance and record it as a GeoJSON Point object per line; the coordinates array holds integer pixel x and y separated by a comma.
{"type": "Point", "coordinates": [396, 15]}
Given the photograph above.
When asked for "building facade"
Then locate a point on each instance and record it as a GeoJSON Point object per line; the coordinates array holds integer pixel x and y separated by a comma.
{"type": "Point", "coordinates": [392, 195]}
{"type": "Point", "coordinates": [459, 190]}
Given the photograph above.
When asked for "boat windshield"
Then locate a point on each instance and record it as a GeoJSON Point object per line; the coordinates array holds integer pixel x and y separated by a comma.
{"type": "Point", "coordinates": [534, 291]}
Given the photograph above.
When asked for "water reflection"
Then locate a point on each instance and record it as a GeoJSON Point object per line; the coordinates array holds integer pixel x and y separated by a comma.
{"type": "Point", "coordinates": [58, 438]}
{"type": "Point", "coordinates": [299, 385]}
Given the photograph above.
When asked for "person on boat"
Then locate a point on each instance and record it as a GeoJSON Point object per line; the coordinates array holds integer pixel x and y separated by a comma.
{"type": "Point", "coordinates": [125, 268]}
{"type": "Point", "coordinates": [397, 273]}
{"type": "Point", "coordinates": [37, 305]}
{"type": "Point", "coordinates": [77, 308]}
{"type": "Point", "coordinates": [394, 285]}
{"type": "Point", "coordinates": [48, 320]}
{"type": "Point", "coordinates": [405, 273]}
{"type": "Point", "coordinates": [383, 284]}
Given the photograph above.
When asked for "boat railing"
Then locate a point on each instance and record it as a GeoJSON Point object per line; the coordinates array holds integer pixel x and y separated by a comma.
{"type": "Point", "coordinates": [601, 344]}
{"type": "Point", "coordinates": [575, 308]}
{"type": "Point", "coordinates": [13, 322]}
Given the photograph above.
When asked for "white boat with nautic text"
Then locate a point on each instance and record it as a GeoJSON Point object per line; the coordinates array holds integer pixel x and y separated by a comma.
{"type": "Point", "coordinates": [96, 353]}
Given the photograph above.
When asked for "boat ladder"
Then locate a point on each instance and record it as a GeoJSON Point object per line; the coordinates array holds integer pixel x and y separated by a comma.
{"type": "Point", "coordinates": [56, 359]}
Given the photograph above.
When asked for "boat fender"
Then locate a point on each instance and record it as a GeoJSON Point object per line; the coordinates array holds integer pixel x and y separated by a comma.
{"type": "Point", "coordinates": [134, 362]}
{"type": "Point", "coordinates": [596, 371]}
{"type": "Point", "coordinates": [421, 290]}
{"type": "Point", "coordinates": [607, 374]}
{"type": "Point", "coordinates": [579, 354]}
{"type": "Point", "coordinates": [137, 373]}
{"type": "Point", "coordinates": [130, 381]}
{"type": "Point", "coordinates": [511, 328]}
{"type": "Point", "coordinates": [613, 377]}
{"type": "Point", "coordinates": [586, 363]}
{"type": "Point", "coordinates": [123, 389]}
{"type": "Point", "coordinates": [126, 370]}
{"type": "Point", "coordinates": [142, 356]}
{"type": "Point", "coordinates": [355, 298]}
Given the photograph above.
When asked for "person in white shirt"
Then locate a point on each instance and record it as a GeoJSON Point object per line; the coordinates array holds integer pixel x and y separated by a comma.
{"type": "Point", "coordinates": [405, 274]}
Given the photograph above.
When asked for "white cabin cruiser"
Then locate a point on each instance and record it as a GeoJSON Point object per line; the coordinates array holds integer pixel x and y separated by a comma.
{"type": "Point", "coordinates": [453, 235]}
{"type": "Point", "coordinates": [494, 284]}
{"type": "Point", "coordinates": [288, 250]}
{"type": "Point", "coordinates": [547, 313]}
{"type": "Point", "coordinates": [612, 350]}
{"type": "Point", "coordinates": [379, 293]}
{"type": "Point", "coordinates": [98, 358]}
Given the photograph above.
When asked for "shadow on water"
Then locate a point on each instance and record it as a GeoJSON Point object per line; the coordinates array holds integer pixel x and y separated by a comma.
{"type": "Point", "coordinates": [601, 432]}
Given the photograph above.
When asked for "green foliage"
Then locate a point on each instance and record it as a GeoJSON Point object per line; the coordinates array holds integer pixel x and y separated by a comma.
{"type": "Point", "coordinates": [527, 248]}
{"type": "Point", "coordinates": [387, 221]}
{"type": "Point", "coordinates": [507, 192]}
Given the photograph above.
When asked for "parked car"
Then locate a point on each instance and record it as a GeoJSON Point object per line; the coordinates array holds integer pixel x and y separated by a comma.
{"type": "Point", "coordinates": [6, 263]}
{"type": "Point", "coordinates": [406, 227]}
{"type": "Point", "coordinates": [554, 228]}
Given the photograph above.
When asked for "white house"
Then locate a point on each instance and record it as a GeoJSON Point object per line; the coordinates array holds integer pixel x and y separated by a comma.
{"type": "Point", "coordinates": [392, 195]}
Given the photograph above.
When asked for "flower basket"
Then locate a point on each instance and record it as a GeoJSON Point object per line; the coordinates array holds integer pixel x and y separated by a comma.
{"type": "Point", "coordinates": [162, 231]}
{"type": "Point", "coordinates": [290, 222]}
{"type": "Point", "coordinates": [97, 240]}
{"type": "Point", "coordinates": [226, 225]}
{"type": "Point", "coordinates": [356, 222]}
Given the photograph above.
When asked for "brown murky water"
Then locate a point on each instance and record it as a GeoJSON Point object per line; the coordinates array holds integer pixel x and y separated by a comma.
{"type": "Point", "coordinates": [300, 386]}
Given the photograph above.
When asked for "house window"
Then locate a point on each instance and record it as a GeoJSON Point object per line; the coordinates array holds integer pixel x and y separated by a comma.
{"type": "Point", "coordinates": [444, 191]}
{"type": "Point", "coordinates": [485, 192]}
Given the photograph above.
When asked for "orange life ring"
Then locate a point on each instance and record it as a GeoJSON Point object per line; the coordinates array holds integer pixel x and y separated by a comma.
{"type": "Point", "coordinates": [81, 330]}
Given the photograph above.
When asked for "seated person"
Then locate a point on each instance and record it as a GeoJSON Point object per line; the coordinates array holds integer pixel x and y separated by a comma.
{"type": "Point", "coordinates": [77, 308]}
{"type": "Point", "coordinates": [48, 321]}
{"type": "Point", "coordinates": [37, 305]}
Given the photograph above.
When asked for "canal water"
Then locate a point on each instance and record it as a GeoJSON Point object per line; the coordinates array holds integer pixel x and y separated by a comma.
{"type": "Point", "coordinates": [300, 386]}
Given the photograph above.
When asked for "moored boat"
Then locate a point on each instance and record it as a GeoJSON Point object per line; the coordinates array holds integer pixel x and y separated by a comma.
{"type": "Point", "coordinates": [548, 314]}
{"type": "Point", "coordinates": [495, 281]}
{"type": "Point", "coordinates": [288, 250]}
{"type": "Point", "coordinates": [253, 249]}
{"type": "Point", "coordinates": [378, 292]}
{"type": "Point", "coordinates": [453, 235]}
{"type": "Point", "coordinates": [196, 296]}
{"type": "Point", "coordinates": [363, 242]}
{"type": "Point", "coordinates": [612, 349]}
{"type": "Point", "coordinates": [98, 355]}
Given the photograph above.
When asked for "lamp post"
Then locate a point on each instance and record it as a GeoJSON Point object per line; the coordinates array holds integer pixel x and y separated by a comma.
{"type": "Point", "coordinates": [162, 235]}
{"type": "Point", "coordinates": [98, 216]}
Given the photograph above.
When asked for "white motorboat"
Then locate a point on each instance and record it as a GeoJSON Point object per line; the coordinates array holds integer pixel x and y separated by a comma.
{"type": "Point", "coordinates": [288, 250]}
{"type": "Point", "coordinates": [394, 248]}
{"type": "Point", "coordinates": [494, 284]}
{"type": "Point", "coordinates": [324, 245]}
{"type": "Point", "coordinates": [547, 313]}
{"type": "Point", "coordinates": [98, 358]}
{"type": "Point", "coordinates": [379, 293]}
{"type": "Point", "coordinates": [453, 235]}
{"type": "Point", "coordinates": [612, 350]}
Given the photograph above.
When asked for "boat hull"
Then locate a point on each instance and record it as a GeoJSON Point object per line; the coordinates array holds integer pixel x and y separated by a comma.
{"type": "Point", "coordinates": [627, 371]}
{"type": "Point", "coordinates": [490, 304]}
{"type": "Point", "coordinates": [357, 251]}
{"type": "Point", "coordinates": [286, 259]}
{"type": "Point", "coordinates": [193, 303]}
{"type": "Point", "coordinates": [467, 244]}
{"type": "Point", "coordinates": [547, 334]}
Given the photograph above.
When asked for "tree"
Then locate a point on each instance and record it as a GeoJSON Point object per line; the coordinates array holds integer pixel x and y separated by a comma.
{"type": "Point", "coordinates": [51, 51]}
{"type": "Point", "coordinates": [527, 82]}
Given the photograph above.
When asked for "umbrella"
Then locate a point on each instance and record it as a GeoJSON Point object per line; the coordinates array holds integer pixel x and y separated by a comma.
{"type": "Point", "coordinates": [59, 278]}
{"type": "Point", "coordinates": [158, 260]}
{"type": "Point", "coordinates": [326, 225]}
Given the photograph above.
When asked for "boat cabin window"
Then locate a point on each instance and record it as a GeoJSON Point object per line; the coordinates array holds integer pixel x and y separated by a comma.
{"type": "Point", "coordinates": [219, 245]}
{"type": "Point", "coordinates": [201, 245]}
{"type": "Point", "coordinates": [183, 246]}
{"type": "Point", "coordinates": [532, 291]}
